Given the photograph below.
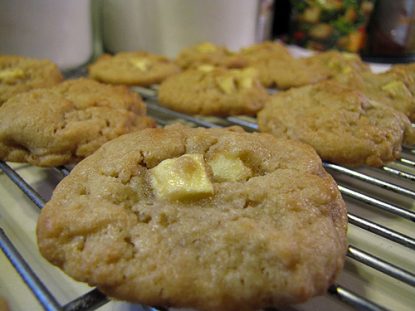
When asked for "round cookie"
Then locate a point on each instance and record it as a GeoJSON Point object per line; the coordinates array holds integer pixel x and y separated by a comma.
{"type": "Point", "coordinates": [394, 88]}
{"type": "Point", "coordinates": [287, 73]}
{"type": "Point", "coordinates": [408, 69]}
{"type": "Point", "coordinates": [276, 67]}
{"type": "Point", "coordinates": [335, 64]}
{"type": "Point", "coordinates": [212, 219]}
{"type": "Point", "coordinates": [132, 68]}
{"type": "Point", "coordinates": [214, 91]}
{"type": "Point", "coordinates": [209, 54]}
{"type": "Point", "coordinates": [20, 74]}
{"type": "Point", "coordinates": [65, 123]}
{"type": "Point", "coordinates": [268, 49]}
{"type": "Point", "coordinates": [342, 124]}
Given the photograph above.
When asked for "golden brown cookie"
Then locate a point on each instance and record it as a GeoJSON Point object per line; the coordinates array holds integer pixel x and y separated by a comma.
{"type": "Point", "coordinates": [65, 123]}
{"type": "Point", "coordinates": [342, 124]}
{"type": "Point", "coordinates": [337, 64]}
{"type": "Point", "coordinates": [408, 69]}
{"type": "Point", "coordinates": [214, 91]}
{"type": "Point", "coordinates": [261, 51]}
{"type": "Point", "coordinates": [212, 219]}
{"type": "Point", "coordinates": [287, 73]}
{"type": "Point", "coordinates": [395, 88]}
{"type": "Point", "coordinates": [132, 68]}
{"type": "Point", "coordinates": [209, 54]}
{"type": "Point", "coordinates": [407, 74]}
{"type": "Point", "coordinates": [20, 74]}
{"type": "Point", "coordinates": [277, 68]}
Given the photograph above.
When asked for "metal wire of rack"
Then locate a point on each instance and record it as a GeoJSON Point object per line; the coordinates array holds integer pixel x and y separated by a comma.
{"type": "Point", "coordinates": [402, 173]}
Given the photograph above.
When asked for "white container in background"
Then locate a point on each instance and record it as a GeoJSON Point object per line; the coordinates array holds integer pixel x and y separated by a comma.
{"type": "Point", "coordinates": [167, 26]}
{"type": "Point", "coordinates": [60, 30]}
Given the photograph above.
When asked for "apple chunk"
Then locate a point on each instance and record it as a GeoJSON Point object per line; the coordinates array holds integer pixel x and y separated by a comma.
{"type": "Point", "coordinates": [228, 167]}
{"type": "Point", "coordinates": [182, 178]}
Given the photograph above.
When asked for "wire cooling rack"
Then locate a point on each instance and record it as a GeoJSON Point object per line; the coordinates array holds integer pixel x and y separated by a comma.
{"type": "Point", "coordinates": [380, 266]}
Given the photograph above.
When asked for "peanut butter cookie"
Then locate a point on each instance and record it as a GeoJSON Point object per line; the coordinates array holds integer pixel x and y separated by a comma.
{"type": "Point", "coordinates": [67, 122]}
{"type": "Point", "coordinates": [20, 74]}
{"type": "Point", "coordinates": [212, 219]}
{"type": "Point", "coordinates": [132, 68]}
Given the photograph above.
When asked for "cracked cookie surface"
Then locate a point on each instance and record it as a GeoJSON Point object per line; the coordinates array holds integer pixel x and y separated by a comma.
{"type": "Point", "coordinates": [274, 233]}
{"type": "Point", "coordinates": [20, 74]}
{"type": "Point", "coordinates": [65, 123]}
{"type": "Point", "coordinates": [342, 124]}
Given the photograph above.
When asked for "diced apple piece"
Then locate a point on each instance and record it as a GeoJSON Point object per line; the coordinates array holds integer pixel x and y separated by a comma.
{"type": "Point", "coordinates": [206, 47]}
{"type": "Point", "coordinates": [206, 68]}
{"type": "Point", "coordinates": [141, 63]}
{"type": "Point", "coordinates": [349, 56]}
{"type": "Point", "coordinates": [227, 167]}
{"type": "Point", "coordinates": [182, 178]}
{"type": "Point", "coordinates": [396, 88]}
{"type": "Point", "coordinates": [12, 74]}
{"type": "Point", "coordinates": [226, 83]}
{"type": "Point", "coordinates": [245, 77]}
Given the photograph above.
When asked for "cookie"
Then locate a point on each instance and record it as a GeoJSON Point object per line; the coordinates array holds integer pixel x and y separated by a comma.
{"type": "Point", "coordinates": [211, 219]}
{"type": "Point", "coordinates": [213, 91]}
{"type": "Point", "coordinates": [287, 73]}
{"type": "Point", "coordinates": [209, 54]}
{"type": "Point", "coordinates": [406, 72]}
{"type": "Point", "coordinates": [21, 74]}
{"type": "Point", "coordinates": [342, 124]}
{"type": "Point", "coordinates": [65, 123]}
{"type": "Point", "coordinates": [132, 68]}
{"type": "Point", "coordinates": [277, 68]}
{"type": "Point", "coordinates": [261, 51]}
{"type": "Point", "coordinates": [395, 88]}
{"type": "Point", "coordinates": [335, 64]}
{"type": "Point", "coordinates": [407, 69]}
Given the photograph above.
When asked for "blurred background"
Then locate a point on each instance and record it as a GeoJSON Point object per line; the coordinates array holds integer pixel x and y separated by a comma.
{"type": "Point", "coordinates": [72, 32]}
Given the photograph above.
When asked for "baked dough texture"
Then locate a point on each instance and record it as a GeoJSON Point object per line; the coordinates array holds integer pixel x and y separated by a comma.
{"type": "Point", "coordinates": [277, 68]}
{"type": "Point", "coordinates": [19, 74]}
{"type": "Point", "coordinates": [67, 122]}
{"type": "Point", "coordinates": [276, 238]}
{"type": "Point", "coordinates": [207, 53]}
{"type": "Point", "coordinates": [132, 68]}
{"type": "Point", "coordinates": [407, 69]}
{"type": "Point", "coordinates": [266, 49]}
{"type": "Point", "coordinates": [342, 124]}
{"type": "Point", "coordinates": [394, 88]}
{"type": "Point", "coordinates": [214, 91]}
{"type": "Point", "coordinates": [335, 64]}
